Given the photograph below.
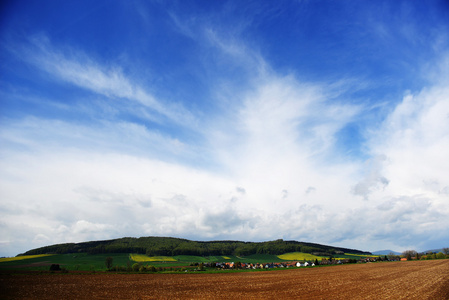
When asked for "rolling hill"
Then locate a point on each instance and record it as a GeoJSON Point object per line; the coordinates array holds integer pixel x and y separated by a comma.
{"type": "Point", "coordinates": [169, 246]}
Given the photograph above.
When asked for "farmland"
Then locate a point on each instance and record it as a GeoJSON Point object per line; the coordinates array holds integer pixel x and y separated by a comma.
{"type": "Point", "coordinates": [23, 257]}
{"type": "Point", "coordinates": [299, 256]}
{"type": "Point", "coordinates": [72, 262]}
{"type": "Point", "coordinates": [145, 258]}
{"type": "Point", "coordinates": [96, 262]}
{"type": "Point", "coordinates": [393, 280]}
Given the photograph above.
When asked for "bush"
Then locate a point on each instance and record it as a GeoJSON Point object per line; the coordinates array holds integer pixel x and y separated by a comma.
{"type": "Point", "coordinates": [151, 269]}
{"type": "Point", "coordinates": [55, 267]}
{"type": "Point", "coordinates": [108, 262]}
{"type": "Point", "coordinates": [135, 267]}
{"type": "Point", "coordinates": [118, 269]}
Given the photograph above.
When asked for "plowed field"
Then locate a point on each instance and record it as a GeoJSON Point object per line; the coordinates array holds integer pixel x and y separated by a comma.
{"type": "Point", "coordinates": [389, 280]}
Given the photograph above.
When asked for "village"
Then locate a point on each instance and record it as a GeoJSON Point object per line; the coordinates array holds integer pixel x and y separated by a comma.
{"type": "Point", "coordinates": [294, 264]}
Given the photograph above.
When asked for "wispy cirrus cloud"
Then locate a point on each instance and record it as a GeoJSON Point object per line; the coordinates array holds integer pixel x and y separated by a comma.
{"type": "Point", "coordinates": [74, 66]}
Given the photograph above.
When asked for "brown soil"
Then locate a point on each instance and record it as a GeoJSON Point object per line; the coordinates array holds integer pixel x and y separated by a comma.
{"type": "Point", "coordinates": [389, 280]}
{"type": "Point", "coordinates": [32, 265]}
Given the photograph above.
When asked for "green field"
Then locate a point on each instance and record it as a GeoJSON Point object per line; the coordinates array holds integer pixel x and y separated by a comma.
{"type": "Point", "coordinates": [96, 262]}
{"type": "Point", "coordinates": [79, 261]}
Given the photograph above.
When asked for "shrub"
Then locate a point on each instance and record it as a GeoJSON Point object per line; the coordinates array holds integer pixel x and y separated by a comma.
{"type": "Point", "coordinates": [108, 262]}
{"type": "Point", "coordinates": [135, 267]}
{"type": "Point", "coordinates": [119, 269]}
{"type": "Point", "coordinates": [151, 269]}
{"type": "Point", "coordinates": [55, 267]}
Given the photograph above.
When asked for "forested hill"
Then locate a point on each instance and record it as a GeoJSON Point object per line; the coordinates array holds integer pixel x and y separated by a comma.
{"type": "Point", "coordinates": [169, 246]}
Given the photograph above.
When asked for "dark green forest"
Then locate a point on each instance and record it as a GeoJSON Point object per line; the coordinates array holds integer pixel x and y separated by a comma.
{"type": "Point", "coordinates": [168, 246]}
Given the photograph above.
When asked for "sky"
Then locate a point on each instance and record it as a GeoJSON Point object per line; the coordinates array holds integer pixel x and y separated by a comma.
{"type": "Point", "coordinates": [315, 121]}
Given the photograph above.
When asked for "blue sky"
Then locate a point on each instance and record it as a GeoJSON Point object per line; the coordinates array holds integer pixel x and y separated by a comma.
{"type": "Point", "coordinates": [317, 121]}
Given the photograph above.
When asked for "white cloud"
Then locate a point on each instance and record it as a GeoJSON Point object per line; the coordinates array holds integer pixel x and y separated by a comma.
{"type": "Point", "coordinates": [275, 173]}
{"type": "Point", "coordinates": [372, 179]}
{"type": "Point", "coordinates": [415, 141]}
{"type": "Point", "coordinates": [38, 134]}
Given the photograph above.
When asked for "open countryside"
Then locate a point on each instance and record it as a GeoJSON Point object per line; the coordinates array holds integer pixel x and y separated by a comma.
{"type": "Point", "coordinates": [167, 254]}
{"type": "Point", "coordinates": [339, 275]}
{"type": "Point", "coordinates": [124, 262]}
{"type": "Point", "coordinates": [423, 279]}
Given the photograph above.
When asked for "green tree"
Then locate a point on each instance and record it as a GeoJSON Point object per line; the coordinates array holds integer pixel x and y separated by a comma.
{"type": "Point", "coordinates": [409, 254]}
{"type": "Point", "coordinates": [108, 262]}
{"type": "Point", "coordinates": [391, 256]}
{"type": "Point", "coordinates": [136, 267]}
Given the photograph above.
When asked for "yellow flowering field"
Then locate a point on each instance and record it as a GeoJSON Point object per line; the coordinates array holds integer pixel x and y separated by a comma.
{"type": "Point", "coordinates": [145, 258]}
{"type": "Point", "coordinates": [5, 259]}
{"type": "Point", "coordinates": [225, 257]}
{"type": "Point", "coordinates": [298, 256]}
{"type": "Point", "coordinates": [363, 255]}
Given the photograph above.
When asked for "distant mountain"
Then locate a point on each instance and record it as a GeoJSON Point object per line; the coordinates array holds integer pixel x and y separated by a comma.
{"type": "Point", "coordinates": [433, 251]}
{"type": "Point", "coordinates": [386, 252]}
{"type": "Point", "coordinates": [174, 246]}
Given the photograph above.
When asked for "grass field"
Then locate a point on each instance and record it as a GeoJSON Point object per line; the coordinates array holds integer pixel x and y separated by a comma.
{"type": "Point", "coordinates": [79, 261]}
{"type": "Point", "coordinates": [96, 262]}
